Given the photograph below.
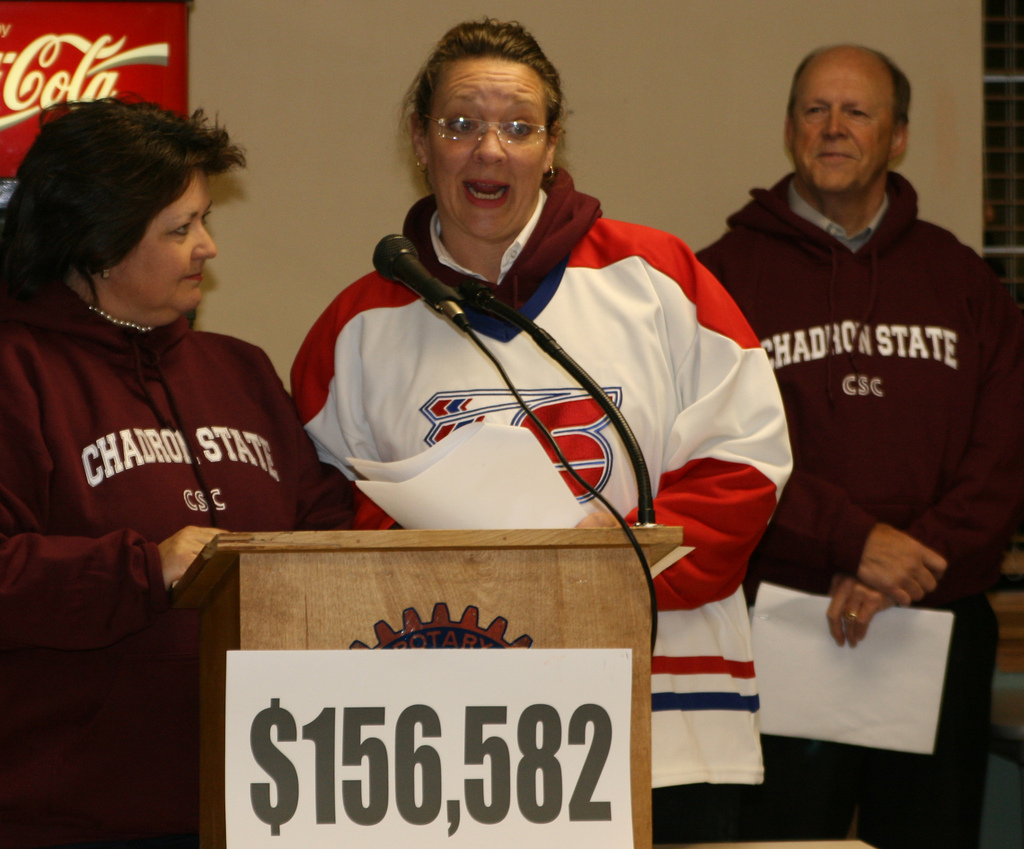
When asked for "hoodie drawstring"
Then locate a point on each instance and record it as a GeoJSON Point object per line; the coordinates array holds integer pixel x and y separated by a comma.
{"type": "Point", "coordinates": [830, 343]}
{"type": "Point", "coordinates": [872, 300]}
{"type": "Point", "coordinates": [153, 361]}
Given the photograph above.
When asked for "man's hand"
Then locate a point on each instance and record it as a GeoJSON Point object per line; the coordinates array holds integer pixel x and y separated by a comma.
{"type": "Point", "coordinates": [177, 552]}
{"type": "Point", "coordinates": [896, 564]}
{"type": "Point", "coordinates": [854, 605]}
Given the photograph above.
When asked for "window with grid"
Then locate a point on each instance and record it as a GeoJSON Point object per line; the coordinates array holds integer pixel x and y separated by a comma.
{"type": "Point", "coordinates": [1004, 174]}
{"type": "Point", "coordinates": [1004, 142]}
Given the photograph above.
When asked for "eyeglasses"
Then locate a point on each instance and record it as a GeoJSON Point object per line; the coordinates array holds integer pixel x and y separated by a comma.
{"type": "Point", "coordinates": [473, 129]}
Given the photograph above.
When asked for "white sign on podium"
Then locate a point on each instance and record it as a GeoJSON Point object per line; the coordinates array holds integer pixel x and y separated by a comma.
{"type": "Point", "coordinates": [439, 748]}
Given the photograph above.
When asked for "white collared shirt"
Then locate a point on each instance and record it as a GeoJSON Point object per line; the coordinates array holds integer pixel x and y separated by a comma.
{"type": "Point", "coordinates": [510, 255]}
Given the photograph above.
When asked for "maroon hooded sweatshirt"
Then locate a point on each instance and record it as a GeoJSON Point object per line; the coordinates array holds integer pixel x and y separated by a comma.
{"type": "Point", "coordinates": [901, 367]}
{"type": "Point", "coordinates": [110, 442]}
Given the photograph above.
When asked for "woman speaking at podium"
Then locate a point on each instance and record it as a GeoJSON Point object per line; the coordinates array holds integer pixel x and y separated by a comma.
{"type": "Point", "coordinates": [127, 442]}
{"type": "Point", "coordinates": [380, 375]}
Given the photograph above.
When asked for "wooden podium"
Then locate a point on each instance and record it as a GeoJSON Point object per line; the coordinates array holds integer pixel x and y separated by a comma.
{"type": "Point", "coordinates": [330, 589]}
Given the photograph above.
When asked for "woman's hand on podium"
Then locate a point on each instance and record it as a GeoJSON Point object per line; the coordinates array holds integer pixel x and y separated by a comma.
{"type": "Point", "coordinates": [600, 519]}
{"type": "Point", "coordinates": [178, 551]}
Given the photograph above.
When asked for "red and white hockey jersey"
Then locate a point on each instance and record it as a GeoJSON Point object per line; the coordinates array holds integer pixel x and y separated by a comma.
{"type": "Point", "coordinates": [381, 376]}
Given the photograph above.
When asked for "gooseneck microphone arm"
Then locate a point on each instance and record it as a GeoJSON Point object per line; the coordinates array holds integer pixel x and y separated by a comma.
{"type": "Point", "coordinates": [478, 295]}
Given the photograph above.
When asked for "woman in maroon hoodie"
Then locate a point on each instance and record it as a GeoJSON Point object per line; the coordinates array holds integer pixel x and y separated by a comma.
{"type": "Point", "coordinates": [127, 442]}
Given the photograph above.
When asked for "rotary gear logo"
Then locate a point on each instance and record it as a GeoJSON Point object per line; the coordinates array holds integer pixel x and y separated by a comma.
{"type": "Point", "coordinates": [442, 633]}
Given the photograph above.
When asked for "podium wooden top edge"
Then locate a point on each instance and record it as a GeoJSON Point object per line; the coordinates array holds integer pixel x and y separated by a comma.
{"type": "Point", "coordinates": [440, 539]}
{"type": "Point", "coordinates": [226, 548]}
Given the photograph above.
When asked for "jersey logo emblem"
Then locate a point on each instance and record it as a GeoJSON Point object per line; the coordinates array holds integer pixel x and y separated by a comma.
{"type": "Point", "coordinates": [574, 419]}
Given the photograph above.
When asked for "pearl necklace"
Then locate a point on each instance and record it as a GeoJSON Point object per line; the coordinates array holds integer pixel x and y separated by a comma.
{"type": "Point", "coordinates": [130, 325]}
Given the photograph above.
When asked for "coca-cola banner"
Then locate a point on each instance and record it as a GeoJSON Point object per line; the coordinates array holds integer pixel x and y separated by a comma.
{"type": "Point", "coordinates": [56, 51]}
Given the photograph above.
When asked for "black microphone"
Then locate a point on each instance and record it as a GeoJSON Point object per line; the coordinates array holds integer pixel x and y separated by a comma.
{"type": "Point", "coordinates": [396, 259]}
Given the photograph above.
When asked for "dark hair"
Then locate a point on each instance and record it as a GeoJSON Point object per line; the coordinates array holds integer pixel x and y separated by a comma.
{"type": "Point", "coordinates": [900, 83]}
{"type": "Point", "coordinates": [92, 181]}
{"type": "Point", "coordinates": [486, 39]}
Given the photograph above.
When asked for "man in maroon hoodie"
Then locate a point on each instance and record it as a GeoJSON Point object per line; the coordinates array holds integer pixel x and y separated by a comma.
{"type": "Point", "coordinates": [900, 359]}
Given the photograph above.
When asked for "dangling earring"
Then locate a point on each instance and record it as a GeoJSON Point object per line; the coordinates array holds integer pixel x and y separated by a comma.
{"type": "Point", "coordinates": [105, 274]}
{"type": "Point", "coordinates": [550, 175]}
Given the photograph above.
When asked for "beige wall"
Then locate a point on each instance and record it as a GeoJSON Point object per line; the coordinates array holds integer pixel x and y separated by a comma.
{"type": "Point", "coordinates": [676, 112]}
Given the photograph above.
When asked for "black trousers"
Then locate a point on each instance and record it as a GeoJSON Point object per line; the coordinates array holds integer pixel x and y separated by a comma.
{"type": "Point", "coordinates": [696, 813]}
{"type": "Point", "coordinates": [902, 800]}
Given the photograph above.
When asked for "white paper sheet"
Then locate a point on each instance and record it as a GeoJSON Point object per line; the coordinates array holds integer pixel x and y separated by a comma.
{"type": "Point", "coordinates": [481, 476]}
{"type": "Point", "coordinates": [884, 693]}
{"type": "Point", "coordinates": [669, 559]}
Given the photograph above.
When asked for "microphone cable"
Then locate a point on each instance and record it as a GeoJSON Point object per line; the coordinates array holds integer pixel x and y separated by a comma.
{"type": "Point", "coordinates": [550, 439]}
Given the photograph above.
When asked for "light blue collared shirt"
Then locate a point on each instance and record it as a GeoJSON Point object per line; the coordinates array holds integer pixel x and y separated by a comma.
{"type": "Point", "coordinates": [802, 208]}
